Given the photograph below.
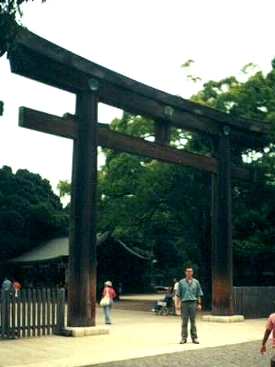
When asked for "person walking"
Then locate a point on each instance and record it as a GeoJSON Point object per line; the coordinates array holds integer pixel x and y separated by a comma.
{"type": "Point", "coordinates": [16, 286]}
{"type": "Point", "coordinates": [270, 327]}
{"type": "Point", "coordinates": [7, 284]}
{"type": "Point", "coordinates": [188, 300]}
{"type": "Point", "coordinates": [108, 295]}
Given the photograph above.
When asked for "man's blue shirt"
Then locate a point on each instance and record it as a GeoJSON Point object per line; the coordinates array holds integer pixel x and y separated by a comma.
{"type": "Point", "coordinates": [189, 290]}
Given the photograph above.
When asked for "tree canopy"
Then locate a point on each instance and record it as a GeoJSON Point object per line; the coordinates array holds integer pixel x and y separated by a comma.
{"type": "Point", "coordinates": [165, 208]}
{"type": "Point", "coordinates": [151, 204]}
{"type": "Point", "coordinates": [252, 97]}
{"type": "Point", "coordinates": [30, 212]}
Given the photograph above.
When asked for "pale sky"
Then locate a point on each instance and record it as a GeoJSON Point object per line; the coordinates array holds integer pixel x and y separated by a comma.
{"type": "Point", "coordinates": [146, 40]}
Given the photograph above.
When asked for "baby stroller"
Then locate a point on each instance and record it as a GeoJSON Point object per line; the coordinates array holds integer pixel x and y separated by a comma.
{"type": "Point", "coordinates": [164, 306]}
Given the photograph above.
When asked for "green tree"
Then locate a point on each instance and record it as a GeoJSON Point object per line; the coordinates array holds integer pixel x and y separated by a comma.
{"type": "Point", "coordinates": [153, 206]}
{"type": "Point", "coordinates": [251, 96]}
{"type": "Point", "coordinates": [64, 188]}
{"type": "Point", "coordinates": [29, 212]}
{"type": "Point", "coordinates": [10, 14]}
{"type": "Point", "coordinates": [164, 209]}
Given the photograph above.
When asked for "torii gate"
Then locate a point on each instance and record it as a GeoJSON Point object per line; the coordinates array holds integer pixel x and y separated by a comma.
{"type": "Point", "coordinates": [38, 59]}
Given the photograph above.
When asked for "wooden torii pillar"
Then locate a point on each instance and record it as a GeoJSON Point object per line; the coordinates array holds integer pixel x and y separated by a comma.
{"type": "Point", "coordinates": [36, 58]}
{"type": "Point", "coordinates": [222, 269]}
{"type": "Point", "coordinates": [82, 236]}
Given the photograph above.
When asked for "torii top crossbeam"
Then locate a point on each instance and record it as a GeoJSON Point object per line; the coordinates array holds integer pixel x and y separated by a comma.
{"type": "Point", "coordinates": [43, 61]}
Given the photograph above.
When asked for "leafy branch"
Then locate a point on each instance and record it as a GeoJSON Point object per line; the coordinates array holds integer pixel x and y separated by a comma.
{"type": "Point", "coordinates": [10, 12]}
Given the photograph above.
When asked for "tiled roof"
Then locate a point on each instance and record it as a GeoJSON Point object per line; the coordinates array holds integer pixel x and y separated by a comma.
{"type": "Point", "coordinates": [58, 248]}
{"type": "Point", "coordinates": [51, 250]}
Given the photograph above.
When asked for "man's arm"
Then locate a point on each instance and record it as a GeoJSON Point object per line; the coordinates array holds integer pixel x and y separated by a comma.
{"type": "Point", "coordinates": [265, 338]}
{"type": "Point", "coordinates": [177, 302]}
{"type": "Point", "coordinates": [198, 303]}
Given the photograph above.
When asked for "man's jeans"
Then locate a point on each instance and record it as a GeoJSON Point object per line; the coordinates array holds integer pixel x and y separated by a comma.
{"type": "Point", "coordinates": [188, 311]}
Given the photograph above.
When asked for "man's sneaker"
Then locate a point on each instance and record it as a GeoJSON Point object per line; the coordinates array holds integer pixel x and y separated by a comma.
{"type": "Point", "coordinates": [183, 341]}
{"type": "Point", "coordinates": [195, 341]}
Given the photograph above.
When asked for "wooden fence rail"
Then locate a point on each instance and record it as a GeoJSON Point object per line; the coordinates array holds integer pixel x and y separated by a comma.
{"type": "Point", "coordinates": [254, 302]}
{"type": "Point", "coordinates": [31, 312]}
{"type": "Point", "coordinates": [38, 312]}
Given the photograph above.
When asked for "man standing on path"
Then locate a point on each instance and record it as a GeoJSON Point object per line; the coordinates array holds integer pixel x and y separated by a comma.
{"type": "Point", "coordinates": [270, 327]}
{"type": "Point", "coordinates": [188, 299]}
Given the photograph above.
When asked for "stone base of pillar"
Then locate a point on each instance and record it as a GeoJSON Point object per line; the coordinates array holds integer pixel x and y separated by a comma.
{"type": "Point", "coordinates": [84, 331]}
{"type": "Point", "coordinates": [213, 318]}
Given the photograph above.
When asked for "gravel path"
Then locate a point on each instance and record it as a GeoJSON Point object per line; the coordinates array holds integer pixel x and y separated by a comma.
{"type": "Point", "coordinates": [238, 355]}
{"type": "Point", "coordinates": [241, 355]}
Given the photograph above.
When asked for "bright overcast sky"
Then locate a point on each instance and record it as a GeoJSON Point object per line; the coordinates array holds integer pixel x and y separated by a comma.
{"type": "Point", "coordinates": [146, 40]}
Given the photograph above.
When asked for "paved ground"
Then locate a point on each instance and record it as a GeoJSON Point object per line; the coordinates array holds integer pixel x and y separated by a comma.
{"type": "Point", "coordinates": [140, 338]}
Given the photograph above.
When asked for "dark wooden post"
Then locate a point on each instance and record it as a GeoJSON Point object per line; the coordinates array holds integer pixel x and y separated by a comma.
{"type": "Point", "coordinates": [82, 248]}
{"type": "Point", "coordinates": [162, 132]}
{"type": "Point", "coordinates": [1, 108]}
{"type": "Point", "coordinates": [222, 279]}
{"type": "Point", "coordinates": [60, 312]}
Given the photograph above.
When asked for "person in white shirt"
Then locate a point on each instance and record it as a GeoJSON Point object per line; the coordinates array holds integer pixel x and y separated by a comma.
{"type": "Point", "coordinates": [174, 292]}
